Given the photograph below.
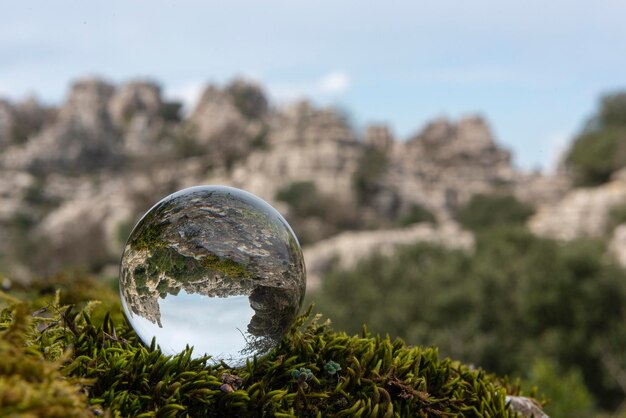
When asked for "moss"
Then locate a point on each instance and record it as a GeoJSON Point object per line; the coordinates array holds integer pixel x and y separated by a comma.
{"type": "Point", "coordinates": [30, 385]}
{"type": "Point", "coordinates": [374, 376]}
{"type": "Point", "coordinates": [227, 267]}
{"type": "Point", "coordinates": [149, 237]}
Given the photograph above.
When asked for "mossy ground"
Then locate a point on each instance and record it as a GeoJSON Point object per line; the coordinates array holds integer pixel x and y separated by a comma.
{"type": "Point", "coordinates": [83, 359]}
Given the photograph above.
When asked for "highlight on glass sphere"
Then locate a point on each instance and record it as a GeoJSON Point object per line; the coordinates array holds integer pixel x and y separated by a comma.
{"type": "Point", "coordinates": [216, 268]}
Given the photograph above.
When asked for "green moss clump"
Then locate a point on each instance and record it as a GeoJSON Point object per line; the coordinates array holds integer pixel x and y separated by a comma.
{"type": "Point", "coordinates": [227, 267]}
{"type": "Point", "coordinates": [30, 384]}
{"type": "Point", "coordinates": [150, 237]}
{"type": "Point", "coordinates": [63, 347]}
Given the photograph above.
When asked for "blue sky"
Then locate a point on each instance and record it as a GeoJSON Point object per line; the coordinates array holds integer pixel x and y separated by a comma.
{"type": "Point", "coordinates": [535, 69]}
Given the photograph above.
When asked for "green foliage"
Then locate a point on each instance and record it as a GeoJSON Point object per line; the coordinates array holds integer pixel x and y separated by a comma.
{"type": "Point", "coordinates": [30, 384]}
{"type": "Point", "coordinates": [123, 231]}
{"type": "Point", "coordinates": [170, 111]}
{"type": "Point", "coordinates": [596, 155]}
{"type": "Point", "coordinates": [617, 216]}
{"type": "Point", "coordinates": [485, 211]}
{"type": "Point", "coordinates": [517, 298]}
{"type": "Point", "coordinates": [600, 149]}
{"type": "Point", "coordinates": [366, 179]}
{"type": "Point", "coordinates": [612, 110]}
{"type": "Point", "coordinates": [416, 214]}
{"type": "Point", "coordinates": [61, 353]}
{"type": "Point", "coordinates": [566, 393]}
{"type": "Point", "coordinates": [302, 197]}
{"type": "Point", "coordinates": [315, 215]}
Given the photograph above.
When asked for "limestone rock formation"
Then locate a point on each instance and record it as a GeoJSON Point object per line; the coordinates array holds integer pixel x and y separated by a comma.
{"type": "Point", "coordinates": [136, 110]}
{"type": "Point", "coordinates": [229, 123]}
{"type": "Point", "coordinates": [583, 212]}
{"type": "Point", "coordinates": [82, 137]}
{"type": "Point", "coordinates": [106, 154]}
{"type": "Point", "coordinates": [379, 137]}
{"type": "Point", "coordinates": [446, 163]}
{"type": "Point", "coordinates": [304, 144]}
{"type": "Point", "coordinates": [347, 248]}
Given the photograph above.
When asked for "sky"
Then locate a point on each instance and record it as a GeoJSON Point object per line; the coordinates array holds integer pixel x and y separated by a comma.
{"type": "Point", "coordinates": [534, 69]}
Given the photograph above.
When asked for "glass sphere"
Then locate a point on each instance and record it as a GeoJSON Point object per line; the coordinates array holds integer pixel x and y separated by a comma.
{"type": "Point", "coordinates": [216, 268]}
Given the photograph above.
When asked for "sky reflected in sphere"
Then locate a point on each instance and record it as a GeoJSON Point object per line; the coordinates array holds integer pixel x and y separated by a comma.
{"type": "Point", "coordinates": [215, 268]}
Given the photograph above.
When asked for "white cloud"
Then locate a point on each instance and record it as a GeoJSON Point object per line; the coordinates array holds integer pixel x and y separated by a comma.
{"type": "Point", "coordinates": [334, 83]}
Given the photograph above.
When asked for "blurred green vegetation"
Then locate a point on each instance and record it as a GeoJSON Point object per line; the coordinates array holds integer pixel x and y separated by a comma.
{"type": "Point", "coordinates": [315, 215]}
{"type": "Point", "coordinates": [486, 211]}
{"type": "Point", "coordinates": [517, 299]}
{"type": "Point", "coordinates": [600, 149]}
{"type": "Point", "coordinates": [416, 214]}
{"type": "Point", "coordinates": [367, 178]}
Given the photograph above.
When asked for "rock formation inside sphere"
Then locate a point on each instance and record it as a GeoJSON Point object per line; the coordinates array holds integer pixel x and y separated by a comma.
{"type": "Point", "coordinates": [215, 268]}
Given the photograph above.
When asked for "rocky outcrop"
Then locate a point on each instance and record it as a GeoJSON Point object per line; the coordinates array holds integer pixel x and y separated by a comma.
{"type": "Point", "coordinates": [108, 153]}
{"type": "Point", "coordinates": [229, 123]}
{"type": "Point", "coordinates": [18, 122]}
{"type": "Point", "coordinates": [583, 212]}
{"type": "Point", "coordinates": [346, 249]}
{"type": "Point", "coordinates": [445, 164]}
{"type": "Point", "coordinates": [136, 111]}
{"type": "Point", "coordinates": [379, 137]}
{"type": "Point", "coordinates": [82, 138]}
{"type": "Point", "coordinates": [303, 144]}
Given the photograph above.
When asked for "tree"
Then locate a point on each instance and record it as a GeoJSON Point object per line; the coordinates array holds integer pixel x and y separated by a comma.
{"type": "Point", "coordinates": [600, 149]}
{"type": "Point", "coordinates": [516, 299]}
{"type": "Point", "coordinates": [485, 211]}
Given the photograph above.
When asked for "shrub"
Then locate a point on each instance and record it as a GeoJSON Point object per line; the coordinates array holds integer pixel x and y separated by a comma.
{"type": "Point", "coordinates": [170, 111]}
{"type": "Point", "coordinates": [416, 214]}
{"type": "Point", "coordinates": [485, 211]}
{"type": "Point", "coordinates": [369, 174]}
{"type": "Point", "coordinates": [516, 299]}
{"type": "Point", "coordinates": [302, 197]}
{"type": "Point", "coordinates": [600, 149]}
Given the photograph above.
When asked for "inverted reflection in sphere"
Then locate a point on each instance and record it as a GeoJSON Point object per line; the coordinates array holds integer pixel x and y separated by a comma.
{"type": "Point", "coordinates": [215, 268]}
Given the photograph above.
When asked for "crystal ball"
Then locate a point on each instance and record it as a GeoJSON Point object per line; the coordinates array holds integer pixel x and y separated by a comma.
{"type": "Point", "coordinates": [214, 268]}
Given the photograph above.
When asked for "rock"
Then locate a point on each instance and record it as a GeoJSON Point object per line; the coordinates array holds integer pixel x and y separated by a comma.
{"type": "Point", "coordinates": [227, 123]}
{"type": "Point", "coordinates": [379, 137]}
{"type": "Point", "coordinates": [347, 248]}
{"type": "Point", "coordinates": [537, 188]}
{"type": "Point", "coordinates": [82, 137]}
{"type": "Point", "coordinates": [304, 144]}
{"type": "Point", "coordinates": [444, 165]}
{"type": "Point", "coordinates": [526, 407]}
{"type": "Point", "coordinates": [583, 212]}
{"type": "Point", "coordinates": [20, 121]}
{"type": "Point", "coordinates": [135, 110]}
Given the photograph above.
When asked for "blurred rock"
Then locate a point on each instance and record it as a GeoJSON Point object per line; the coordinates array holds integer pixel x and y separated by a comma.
{"type": "Point", "coordinates": [108, 153]}
{"type": "Point", "coordinates": [348, 248]}
{"type": "Point", "coordinates": [525, 407]}
{"type": "Point", "coordinates": [583, 212]}
{"type": "Point", "coordinates": [82, 137]}
{"type": "Point", "coordinates": [135, 110]}
{"type": "Point", "coordinates": [229, 123]}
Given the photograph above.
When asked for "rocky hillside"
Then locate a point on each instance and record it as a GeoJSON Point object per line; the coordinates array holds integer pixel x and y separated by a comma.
{"type": "Point", "coordinates": [75, 178]}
